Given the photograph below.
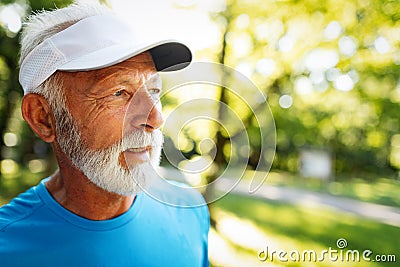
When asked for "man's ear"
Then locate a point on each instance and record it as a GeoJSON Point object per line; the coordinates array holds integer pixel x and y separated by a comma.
{"type": "Point", "coordinates": [37, 113]}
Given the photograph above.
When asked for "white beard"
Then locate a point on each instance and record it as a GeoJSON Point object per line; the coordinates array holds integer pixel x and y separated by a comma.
{"type": "Point", "coordinates": [102, 166]}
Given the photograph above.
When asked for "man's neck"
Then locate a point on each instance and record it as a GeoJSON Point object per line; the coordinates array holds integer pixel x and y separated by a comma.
{"type": "Point", "coordinates": [73, 190]}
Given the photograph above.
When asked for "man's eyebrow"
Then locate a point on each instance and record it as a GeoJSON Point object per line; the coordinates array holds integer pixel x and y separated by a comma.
{"type": "Point", "coordinates": [154, 81]}
{"type": "Point", "coordinates": [123, 78]}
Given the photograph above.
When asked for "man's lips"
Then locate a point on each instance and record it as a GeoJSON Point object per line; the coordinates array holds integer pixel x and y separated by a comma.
{"type": "Point", "coordinates": [136, 155]}
{"type": "Point", "coordinates": [138, 152]}
{"type": "Point", "coordinates": [138, 149]}
{"type": "Point", "coordinates": [130, 157]}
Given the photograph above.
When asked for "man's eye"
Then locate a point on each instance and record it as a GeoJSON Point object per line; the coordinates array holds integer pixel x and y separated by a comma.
{"type": "Point", "coordinates": [118, 93]}
{"type": "Point", "coordinates": [154, 91]}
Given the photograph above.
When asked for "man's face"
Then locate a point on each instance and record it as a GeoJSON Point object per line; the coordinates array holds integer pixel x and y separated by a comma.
{"type": "Point", "coordinates": [114, 121]}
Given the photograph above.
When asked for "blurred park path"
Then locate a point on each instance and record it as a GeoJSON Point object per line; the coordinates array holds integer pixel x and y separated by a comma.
{"type": "Point", "coordinates": [381, 213]}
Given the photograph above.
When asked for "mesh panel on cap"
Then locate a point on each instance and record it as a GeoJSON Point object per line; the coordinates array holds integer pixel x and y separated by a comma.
{"type": "Point", "coordinates": [40, 65]}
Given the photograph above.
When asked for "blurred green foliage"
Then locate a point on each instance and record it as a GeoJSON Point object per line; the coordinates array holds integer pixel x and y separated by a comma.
{"type": "Point", "coordinates": [330, 70]}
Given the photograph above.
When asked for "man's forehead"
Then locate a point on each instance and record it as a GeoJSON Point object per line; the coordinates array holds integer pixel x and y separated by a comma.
{"type": "Point", "coordinates": [140, 74]}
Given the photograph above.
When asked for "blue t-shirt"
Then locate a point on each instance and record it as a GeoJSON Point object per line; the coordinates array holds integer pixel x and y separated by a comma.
{"type": "Point", "coordinates": [35, 230]}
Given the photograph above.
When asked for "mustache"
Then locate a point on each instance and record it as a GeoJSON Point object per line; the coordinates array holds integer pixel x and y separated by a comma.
{"type": "Point", "coordinates": [141, 138]}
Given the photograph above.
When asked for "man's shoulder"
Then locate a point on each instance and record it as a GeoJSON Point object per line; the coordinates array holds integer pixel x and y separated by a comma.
{"type": "Point", "coordinates": [19, 208]}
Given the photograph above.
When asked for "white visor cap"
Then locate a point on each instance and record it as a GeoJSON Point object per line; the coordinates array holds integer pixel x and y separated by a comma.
{"type": "Point", "coordinates": [97, 42]}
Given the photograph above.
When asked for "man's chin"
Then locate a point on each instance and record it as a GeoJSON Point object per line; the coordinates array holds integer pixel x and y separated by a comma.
{"type": "Point", "coordinates": [123, 184]}
{"type": "Point", "coordinates": [120, 180]}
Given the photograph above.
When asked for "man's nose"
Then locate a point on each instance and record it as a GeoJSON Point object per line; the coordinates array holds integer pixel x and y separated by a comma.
{"type": "Point", "coordinates": [145, 112]}
{"type": "Point", "coordinates": [154, 119]}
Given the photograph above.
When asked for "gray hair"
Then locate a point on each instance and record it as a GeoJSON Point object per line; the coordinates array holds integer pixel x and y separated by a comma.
{"type": "Point", "coordinates": [44, 24]}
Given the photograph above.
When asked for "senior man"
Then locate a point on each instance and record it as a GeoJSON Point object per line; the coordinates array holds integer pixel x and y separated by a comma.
{"type": "Point", "coordinates": [92, 91]}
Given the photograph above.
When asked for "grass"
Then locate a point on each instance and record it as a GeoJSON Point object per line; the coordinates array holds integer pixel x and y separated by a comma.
{"type": "Point", "coordinates": [379, 190]}
{"type": "Point", "coordinates": [247, 225]}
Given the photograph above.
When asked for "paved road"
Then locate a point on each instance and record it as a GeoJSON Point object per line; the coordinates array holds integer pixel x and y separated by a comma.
{"type": "Point", "coordinates": [381, 213]}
